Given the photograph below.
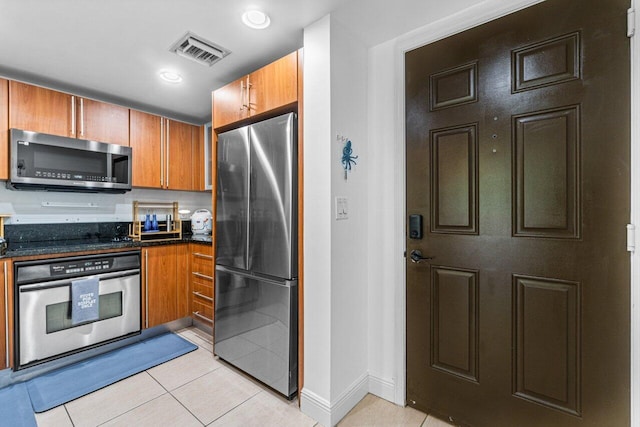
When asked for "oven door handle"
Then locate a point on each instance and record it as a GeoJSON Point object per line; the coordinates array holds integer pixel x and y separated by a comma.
{"type": "Point", "coordinates": [67, 282]}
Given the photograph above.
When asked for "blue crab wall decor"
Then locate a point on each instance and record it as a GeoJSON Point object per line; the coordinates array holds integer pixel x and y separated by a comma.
{"type": "Point", "coordinates": [348, 158]}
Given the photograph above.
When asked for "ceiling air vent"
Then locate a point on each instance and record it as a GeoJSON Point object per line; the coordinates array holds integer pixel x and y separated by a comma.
{"type": "Point", "coordinates": [198, 49]}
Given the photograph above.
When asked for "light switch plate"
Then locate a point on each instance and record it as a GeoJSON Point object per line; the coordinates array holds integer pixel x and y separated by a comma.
{"type": "Point", "coordinates": [342, 208]}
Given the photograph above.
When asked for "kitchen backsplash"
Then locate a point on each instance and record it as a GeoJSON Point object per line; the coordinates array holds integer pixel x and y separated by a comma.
{"type": "Point", "coordinates": [34, 207]}
{"type": "Point", "coordinates": [82, 230]}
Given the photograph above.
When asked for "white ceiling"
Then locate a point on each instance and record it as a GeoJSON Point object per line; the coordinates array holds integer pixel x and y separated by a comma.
{"type": "Point", "coordinates": [113, 49]}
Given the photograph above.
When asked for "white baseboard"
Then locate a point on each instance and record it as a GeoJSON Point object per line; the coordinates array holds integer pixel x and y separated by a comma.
{"type": "Point", "coordinates": [350, 398]}
{"type": "Point", "coordinates": [329, 414]}
{"type": "Point", "coordinates": [315, 407]}
{"type": "Point", "coordinates": [384, 389]}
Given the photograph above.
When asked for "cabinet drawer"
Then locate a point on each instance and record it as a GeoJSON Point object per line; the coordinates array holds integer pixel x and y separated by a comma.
{"type": "Point", "coordinates": [203, 291]}
{"type": "Point", "coordinates": [202, 311]}
{"type": "Point", "coordinates": [202, 263]}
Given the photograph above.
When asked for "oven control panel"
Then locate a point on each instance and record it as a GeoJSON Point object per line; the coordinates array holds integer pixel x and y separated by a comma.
{"type": "Point", "coordinates": [61, 268]}
{"type": "Point", "coordinates": [82, 266]}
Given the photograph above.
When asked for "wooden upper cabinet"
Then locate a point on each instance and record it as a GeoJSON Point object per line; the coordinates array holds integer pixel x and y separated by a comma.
{"type": "Point", "coordinates": [179, 160]}
{"type": "Point", "coordinates": [229, 103]}
{"type": "Point", "coordinates": [43, 110]}
{"type": "Point", "coordinates": [274, 85]}
{"type": "Point", "coordinates": [4, 129]}
{"type": "Point", "coordinates": [163, 152]}
{"type": "Point", "coordinates": [271, 87]}
{"type": "Point", "coordinates": [199, 155]}
{"type": "Point", "coordinates": [100, 121]}
{"type": "Point", "coordinates": [146, 146]}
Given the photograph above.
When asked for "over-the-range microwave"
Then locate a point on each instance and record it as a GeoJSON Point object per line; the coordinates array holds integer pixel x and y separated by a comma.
{"type": "Point", "coordinates": [41, 161]}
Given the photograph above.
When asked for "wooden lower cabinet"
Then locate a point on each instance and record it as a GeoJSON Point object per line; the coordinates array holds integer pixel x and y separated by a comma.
{"type": "Point", "coordinates": [165, 283]}
{"type": "Point", "coordinates": [201, 279]}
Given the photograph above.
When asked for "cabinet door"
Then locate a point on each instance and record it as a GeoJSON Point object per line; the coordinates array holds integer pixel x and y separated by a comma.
{"type": "Point", "coordinates": [274, 85]}
{"type": "Point", "coordinates": [179, 161]}
{"type": "Point", "coordinates": [229, 103]}
{"type": "Point", "coordinates": [4, 129]}
{"type": "Point", "coordinates": [182, 280]}
{"type": "Point", "coordinates": [146, 134]}
{"type": "Point", "coordinates": [161, 284]}
{"type": "Point", "coordinates": [100, 121]}
{"type": "Point", "coordinates": [199, 155]}
{"type": "Point", "coordinates": [38, 109]}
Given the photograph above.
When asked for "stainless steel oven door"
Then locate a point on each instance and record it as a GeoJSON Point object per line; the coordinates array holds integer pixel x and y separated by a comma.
{"type": "Point", "coordinates": [45, 321]}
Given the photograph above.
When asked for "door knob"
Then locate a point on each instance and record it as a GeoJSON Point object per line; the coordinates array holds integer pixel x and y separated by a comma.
{"type": "Point", "coordinates": [416, 256]}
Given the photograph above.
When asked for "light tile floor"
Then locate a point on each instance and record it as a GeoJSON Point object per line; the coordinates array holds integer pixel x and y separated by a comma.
{"type": "Point", "coordinates": [197, 390]}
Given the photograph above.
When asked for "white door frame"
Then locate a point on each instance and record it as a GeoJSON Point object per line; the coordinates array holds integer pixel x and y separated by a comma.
{"type": "Point", "coordinates": [474, 16]}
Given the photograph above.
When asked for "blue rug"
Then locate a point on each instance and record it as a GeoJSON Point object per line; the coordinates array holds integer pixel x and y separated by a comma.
{"type": "Point", "coordinates": [15, 407]}
{"type": "Point", "coordinates": [65, 384]}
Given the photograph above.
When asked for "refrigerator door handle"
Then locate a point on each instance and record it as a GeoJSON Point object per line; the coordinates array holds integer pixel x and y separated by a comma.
{"type": "Point", "coordinates": [286, 283]}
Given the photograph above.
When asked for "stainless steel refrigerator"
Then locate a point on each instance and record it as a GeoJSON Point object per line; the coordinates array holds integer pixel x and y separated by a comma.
{"type": "Point", "coordinates": [256, 292]}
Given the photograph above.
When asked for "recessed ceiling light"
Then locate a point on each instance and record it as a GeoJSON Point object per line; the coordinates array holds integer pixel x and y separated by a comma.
{"type": "Point", "coordinates": [256, 19]}
{"type": "Point", "coordinates": [170, 76]}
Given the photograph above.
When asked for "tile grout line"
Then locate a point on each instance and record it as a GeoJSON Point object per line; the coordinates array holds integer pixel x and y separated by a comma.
{"type": "Point", "coordinates": [237, 406]}
{"type": "Point", "coordinates": [68, 415]}
{"type": "Point", "coordinates": [214, 420]}
{"type": "Point", "coordinates": [187, 409]}
{"type": "Point", "coordinates": [136, 407]}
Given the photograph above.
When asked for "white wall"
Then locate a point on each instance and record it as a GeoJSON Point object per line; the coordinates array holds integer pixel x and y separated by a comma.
{"type": "Point", "coordinates": [349, 252]}
{"type": "Point", "coordinates": [316, 394]}
{"type": "Point", "coordinates": [336, 261]}
{"type": "Point", "coordinates": [382, 345]}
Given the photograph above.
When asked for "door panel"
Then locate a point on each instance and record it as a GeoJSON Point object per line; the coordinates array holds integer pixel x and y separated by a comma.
{"type": "Point", "coordinates": [518, 147]}
{"type": "Point", "coordinates": [546, 367]}
{"type": "Point", "coordinates": [272, 193]}
{"type": "Point", "coordinates": [232, 205]}
{"type": "Point", "coordinates": [454, 308]}
{"type": "Point", "coordinates": [255, 328]}
{"type": "Point", "coordinates": [454, 181]}
{"type": "Point", "coordinates": [546, 173]}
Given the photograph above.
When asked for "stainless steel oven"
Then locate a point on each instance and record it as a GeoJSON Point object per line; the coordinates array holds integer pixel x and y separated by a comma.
{"type": "Point", "coordinates": [44, 327]}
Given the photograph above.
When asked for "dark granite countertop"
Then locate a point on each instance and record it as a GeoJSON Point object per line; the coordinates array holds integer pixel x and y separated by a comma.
{"type": "Point", "coordinates": [79, 245]}
{"type": "Point", "coordinates": [51, 239]}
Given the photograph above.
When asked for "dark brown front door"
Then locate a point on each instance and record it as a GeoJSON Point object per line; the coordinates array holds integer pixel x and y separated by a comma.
{"type": "Point", "coordinates": [518, 156]}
